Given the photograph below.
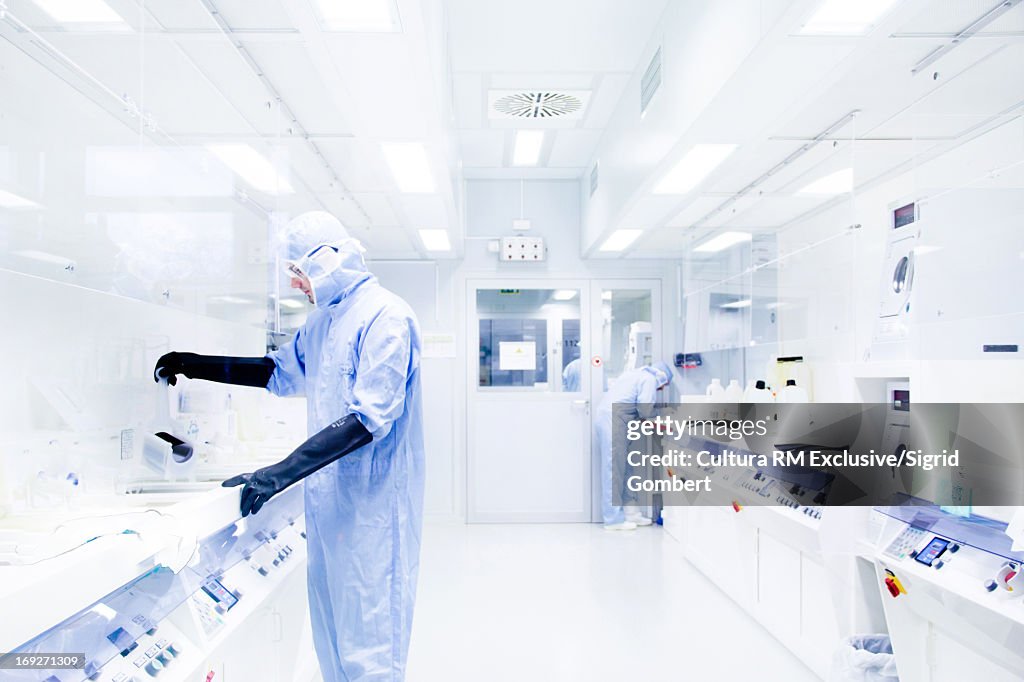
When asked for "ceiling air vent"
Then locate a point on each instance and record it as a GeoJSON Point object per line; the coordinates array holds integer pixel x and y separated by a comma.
{"type": "Point", "coordinates": [538, 104]}
{"type": "Point", "coordinates": [651, 81]}
{"type": "Point", "coordinates": [593, 179]}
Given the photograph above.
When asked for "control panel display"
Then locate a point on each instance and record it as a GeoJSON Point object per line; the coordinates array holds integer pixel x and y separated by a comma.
{"type": "Point", "coordinates": [219, 593]}
{"type": "Point", "coordinates": [904, 215]}
{"type": "Point", "coordinates": [901, 401]}
{"type": "Point", "coordinates": [932, 551]}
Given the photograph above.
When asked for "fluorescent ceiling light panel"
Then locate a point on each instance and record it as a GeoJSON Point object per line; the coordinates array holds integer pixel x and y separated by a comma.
{"type": "Point", "coordinates": [13, 201]}
{"type": "Point", "coordinates": [839, 182]}
{"type": "Point", "coordinates": [565, 294]}
{"type": "Point", "coordinates": [723, 241]}
{"type": "Point", "coordinates": [620, 240]}
{"type": "Point", "coordinates": [253, 167]}
{"type": "Point", "coordinates": [846, 17]}
{"type": "Point", "coordinates": [369, 16]}
{"type": "Point", "coordinates": [80, 11]}
{"type": "Point", "coordinates": [745, 303]}
{"type": "Point", "coordinates": [435, 240]}
{"type": "Point", "coordinates": [528, 144]}
{"type": "Point", "coordinates": [696, 165]}
{"type": "Point", "coordinates": [409, 166]}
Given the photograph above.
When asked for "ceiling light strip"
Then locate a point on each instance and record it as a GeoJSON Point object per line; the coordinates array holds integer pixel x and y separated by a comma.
{"type": "Point", "coordinates": [957, 40]}
{"type": "Point", "coordinates": [299, 129]}
{"type": "Point", "coordinates": [814, 142]}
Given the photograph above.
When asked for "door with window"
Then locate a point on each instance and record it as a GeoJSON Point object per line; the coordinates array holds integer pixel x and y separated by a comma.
{"type": "Point", "coordinates": [627, 334]}
{"type": "Point", "coordinates": [528, 411]}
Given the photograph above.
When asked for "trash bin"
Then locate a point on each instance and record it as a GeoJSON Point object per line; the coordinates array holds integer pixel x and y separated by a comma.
{"type": "Point", "coordinates": [864, 658]}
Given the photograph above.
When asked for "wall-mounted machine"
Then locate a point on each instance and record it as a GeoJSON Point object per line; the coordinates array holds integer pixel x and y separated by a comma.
{"type": "Point", "coordinates": [892, 323]}
{"type": "Point", "coordinates": [952, 594]}
{"type": "Point", "coordinates": [896, 434]}
{"type": "Point", "coordinates": [640, 351]}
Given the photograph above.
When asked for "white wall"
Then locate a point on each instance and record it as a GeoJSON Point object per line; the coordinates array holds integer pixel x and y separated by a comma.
{"type": "Point", "coordinates": [439, 299]}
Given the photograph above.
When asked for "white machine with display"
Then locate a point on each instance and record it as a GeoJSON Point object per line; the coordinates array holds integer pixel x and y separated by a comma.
{"type": "Point", "coordinates": [640, 351]}
{"type": "Point", "coordinates": [952, 592]}
{"type": "Point", "coordinates": [892, 324]}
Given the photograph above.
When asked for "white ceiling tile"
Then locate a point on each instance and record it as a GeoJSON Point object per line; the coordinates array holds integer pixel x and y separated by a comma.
{"type": "Point", "coordinates": [575, 35]}
{"type": "Point", "coordinates": [973, 92]}
{"type": "Point", "coordinates": [388, 241]}
{"type": "Point", "coordinates": [482, 147]}
{"type": "Point", "coordinates": [956, 16]}
{"type": "Point", "coordinates": [729, 213]}
{"type": "Point", "coordinates": [347, 212]}
{"type": "Point", "coordinates": [236, 81]}
{"type": "Point", "coordinates": [378, 206]}
{"type": "Point", "coordinates": [469, 100]}
{"type": "Point", "coordinates": [424, 211]}
{"type": "Point", "coordinates": [695, 210]}
{"type": "Point", "coordinates": [605, 99]}
{"type": "Point", "coordinates": [358, 163]}
{"type": "Point", "coordinates": [650, 210]}
{"type": "Point", "coordinates": [533, 124]}
{"type": "Point", "coordinates": [181, 85]}
{"type": "Point", "coordinates": [774, 211]}
{"type": "Point", "coordinates": [289, 68]}
{"type": "Point", "coordinates": [541, 81]}
{"type": "Point", "coordinates": [177, 15]}
{"type": "Point", "coordinates": [538, 173]}
{"type": "Point", "coordinates": [388, 84]}
{"type": "Point", "coordinates": [574, 148]}
{"type": "Point", "coordinates": [660, 243]}
{"type": "Point", "coordinates": [247, 14]}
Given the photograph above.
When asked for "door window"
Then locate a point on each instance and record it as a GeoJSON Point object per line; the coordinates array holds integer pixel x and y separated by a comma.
{"type": "Point", "coordinates": [528, 338]}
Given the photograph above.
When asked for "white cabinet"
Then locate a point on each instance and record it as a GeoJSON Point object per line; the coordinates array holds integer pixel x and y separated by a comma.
{"type": "Point", "coordinates": [771, 566]}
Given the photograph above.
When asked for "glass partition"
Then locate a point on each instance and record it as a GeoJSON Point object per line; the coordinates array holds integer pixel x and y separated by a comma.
{"type": "Point", "coordinates": [111, 179]}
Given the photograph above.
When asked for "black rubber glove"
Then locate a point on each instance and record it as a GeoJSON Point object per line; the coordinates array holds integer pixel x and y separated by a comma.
{"type": "Point", "coordinates": [332, 443]}
{"type": "Point", "coordinates": [225, 370]}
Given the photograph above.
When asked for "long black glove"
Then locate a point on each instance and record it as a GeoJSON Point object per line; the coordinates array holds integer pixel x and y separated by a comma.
{"type": "Point", "coordinates": [332, 443]}
{"type": "Point", "coordinates": [226, 370]}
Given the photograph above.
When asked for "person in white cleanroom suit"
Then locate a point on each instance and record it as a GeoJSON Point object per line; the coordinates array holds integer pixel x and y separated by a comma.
{"type": "Point", "coordinates": [356, 360]}
{"type": "Point", "coordinates": [636, 391]}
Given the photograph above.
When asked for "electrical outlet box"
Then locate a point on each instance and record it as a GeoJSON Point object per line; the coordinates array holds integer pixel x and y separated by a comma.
{"type": "Point", "coordinates": [523, 249]}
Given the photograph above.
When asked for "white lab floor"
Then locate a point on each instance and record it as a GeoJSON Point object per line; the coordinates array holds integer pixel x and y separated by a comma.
{"type": "Point", "coordinates": [567, 602]}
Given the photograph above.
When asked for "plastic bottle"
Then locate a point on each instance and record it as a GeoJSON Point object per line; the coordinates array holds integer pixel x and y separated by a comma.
{"type": "Point", "coordinates": [793, 393]}
{"type": "Point", "coordinates": [715, 391]}
{"type": "Point", "coordinates": [757, 392]}
{"type": "Point", "coordinates": [733, 392]}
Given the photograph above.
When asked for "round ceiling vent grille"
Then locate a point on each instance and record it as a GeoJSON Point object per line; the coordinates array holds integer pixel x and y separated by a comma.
{"type": "Point", "coordinates": [538, 104]}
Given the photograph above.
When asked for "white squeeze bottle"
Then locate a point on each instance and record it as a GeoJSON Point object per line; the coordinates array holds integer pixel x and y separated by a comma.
{"type": "Point", "coordinates": [715, 391]}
